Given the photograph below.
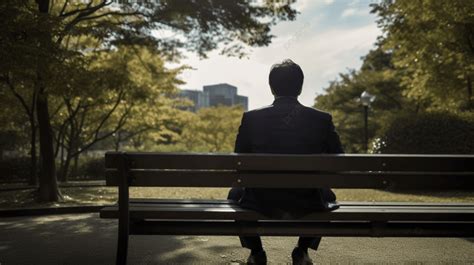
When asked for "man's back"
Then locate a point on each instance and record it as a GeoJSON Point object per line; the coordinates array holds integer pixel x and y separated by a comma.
{"type": "Point", "coordinates": [287, 127]}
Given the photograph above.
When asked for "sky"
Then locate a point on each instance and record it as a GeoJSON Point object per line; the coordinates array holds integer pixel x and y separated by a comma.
{"type": "Point", "coordinates": [328, 37]}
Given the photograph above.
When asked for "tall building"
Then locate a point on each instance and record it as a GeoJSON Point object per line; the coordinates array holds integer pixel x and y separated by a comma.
{"type": "Point", "coordinates": [215, 95]}
{"type": "Point", "coordinates": [242, 100]}
{"type": "Point", "coordinates": [200, 99]}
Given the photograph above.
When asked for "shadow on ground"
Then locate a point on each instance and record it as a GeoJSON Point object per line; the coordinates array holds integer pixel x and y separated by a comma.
{"type": "Point", "coordinates": [87, 239]}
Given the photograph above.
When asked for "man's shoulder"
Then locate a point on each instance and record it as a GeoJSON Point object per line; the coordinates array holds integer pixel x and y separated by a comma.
{"type": "Point", "coordinates": [259, 111]}
{"type": "Point", "coordinates": [316, 113]}
{"type": "Point", "coordinates": [312, 112]}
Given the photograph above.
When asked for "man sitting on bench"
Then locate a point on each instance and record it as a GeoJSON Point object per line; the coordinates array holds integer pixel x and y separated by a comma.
{"type": "Point", "coordinates": [285, 127]}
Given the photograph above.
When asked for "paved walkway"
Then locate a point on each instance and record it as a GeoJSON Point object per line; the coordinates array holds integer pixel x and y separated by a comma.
{"type": "Point", "coordinates": [69, 184]}
{"type": "Point", "coordinates": [86, 239]}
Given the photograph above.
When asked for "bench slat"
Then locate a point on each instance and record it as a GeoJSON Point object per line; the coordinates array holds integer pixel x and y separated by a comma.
{"type": "Point", "coordinates": [338, 229]}
{"type": "Point", "coordinates": [387, 180]}
{"type": "Point", "coordinates": [344, 203]}
{"type": "Point", "coordinates": [345, 212]}
{"type": "Point", "coordinates": [278, 162]}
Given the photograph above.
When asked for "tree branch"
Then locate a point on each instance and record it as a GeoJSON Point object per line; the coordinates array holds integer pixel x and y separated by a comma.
{"type": "Point", "coordinates": [107, 116]}
{"type": "Point", "coordinates": [113, 13]}
{"type": "Point", "coordinates": [61, 13]}
{"type": "Point", "coordinates": [468, 37]}
{"type": "Point", "coordinates": [399, 105]}
{"type": "Point", "coordinates": [56, 111]}
{"type": "Point", "coordinates": [10, 85]}
{"type": "Point", "coordinates": [89, 10]}
{"type": "Point", "coordinates": [140, 131]}
{"type": "Point", "coordinates": [88, 7]}
{"type": "Point", "coordinates": [96, 139]}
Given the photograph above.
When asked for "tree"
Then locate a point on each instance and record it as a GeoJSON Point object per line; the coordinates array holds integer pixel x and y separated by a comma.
{"type": "Point", "coordinates": [378, 76]}
{"type": "Point", "coordinates": [16, 74]}
{"type": "Point", "coordinates": [212, 129]}
{"type": "Point", "coordinates": [156, 105]}
{"type": "Point", "coordinates": [433, 44]}
{"type": "Point", "coordinates": [29, 60]}
{"type": "Point", "coordinates": [127, 93]}
{"type": "Point", "coordinates": [86, 116]}
{"type": "Point", "coordinates": [202, 26]}
{"type": "Point", "coordinates": [13, 128]}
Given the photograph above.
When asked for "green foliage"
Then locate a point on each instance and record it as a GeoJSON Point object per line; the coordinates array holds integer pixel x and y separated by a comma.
{"type": "Point", "coordinates": [377, 76]}
{"type": "Point", "coordinates": [47, 50]}
{"type": "Point", "coordinates": [125, 93]}
{"type": "Point", "coordinates": [15, 169]}
{"type": "Point", "coordinates": [212, 129]}
{"type": "Point", "coordinates": [197, 26]}
{"type": "Point", "coordinates": [100, 65]}
{"type": "Point", "coordinates": [428, 133]}
{"type": "Point", "coordinates": [424, 62]}
{"type": "Point", "coordinates": [91, 168]}
{"type": "Point", "coordinates": [433, 45]}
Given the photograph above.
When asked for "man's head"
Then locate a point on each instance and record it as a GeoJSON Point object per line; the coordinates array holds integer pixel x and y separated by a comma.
{"type": "Point", "coordinates": [286, 79]}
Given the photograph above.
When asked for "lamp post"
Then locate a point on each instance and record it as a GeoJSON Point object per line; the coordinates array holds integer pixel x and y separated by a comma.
{"type": "Point", "coordinates": [366, 98]}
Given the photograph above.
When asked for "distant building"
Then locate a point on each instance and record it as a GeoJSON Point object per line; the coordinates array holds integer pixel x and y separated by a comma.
{"type": "Point", "coordinates": [200, 99]}
{"type": "Point", "coordinates": [243, 101]}
{"type": "Point", "coordinates": [215, 95]}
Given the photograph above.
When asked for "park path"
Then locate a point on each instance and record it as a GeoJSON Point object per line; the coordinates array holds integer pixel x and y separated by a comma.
{"type": "Point", "coordinates": [86, 239]}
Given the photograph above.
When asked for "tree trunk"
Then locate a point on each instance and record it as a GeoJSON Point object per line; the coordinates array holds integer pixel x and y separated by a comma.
{"type": "Point", "coordinates": [65, 162]}
{"type": "Point", "coordinates": [33, 169]}
{"type": "Point", "coordinates": [60, 142]}
{"type": "Point", "coordinates": [48, 186]}
{"type": "Point", "coordinates": [117, 140]}
{"type": "Point", "coordinates": [75, 166]}
{"type": "Point", "coordinates": [469, 88]}
{"type": "Point", "coordinates": [63, 172]}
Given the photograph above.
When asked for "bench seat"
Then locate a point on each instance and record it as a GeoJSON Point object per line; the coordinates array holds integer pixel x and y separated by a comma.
{"type": "Point", "coordinates": [217, 217]}
{"type": "Point", "coordinates": [391, 172]}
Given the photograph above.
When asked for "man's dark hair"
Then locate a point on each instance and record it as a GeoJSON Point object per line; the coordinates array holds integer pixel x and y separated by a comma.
{"type": "Point", "coordinates": [286, 79]}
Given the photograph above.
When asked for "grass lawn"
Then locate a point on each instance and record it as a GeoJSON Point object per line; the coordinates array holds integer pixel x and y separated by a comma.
{"type": "Point", "coordinates": [107, 195]}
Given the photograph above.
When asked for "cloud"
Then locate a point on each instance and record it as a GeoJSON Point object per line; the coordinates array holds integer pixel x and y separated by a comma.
{"type": "Point", "coordinates": [328, 2]}
{"type": "Point", "coordinates": [350, 12]}
{"type": "Point", "coordinates": [322, 45]}
{"type": "Point", "coordinates": [322, 57]}
{"type": "Point", "coordinates": [301, 5]}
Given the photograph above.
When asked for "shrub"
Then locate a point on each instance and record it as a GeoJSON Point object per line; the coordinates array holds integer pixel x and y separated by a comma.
{"type": "Point", "coordinates": [428, 133]}
{"type": "Point", "coordinates": [93, 168]}
{"type": "Point", "coordinates": [15, 169]}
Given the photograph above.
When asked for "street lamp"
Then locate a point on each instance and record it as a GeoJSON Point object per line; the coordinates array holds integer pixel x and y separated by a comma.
{"type": "Point", "coordinates": [366, 98]}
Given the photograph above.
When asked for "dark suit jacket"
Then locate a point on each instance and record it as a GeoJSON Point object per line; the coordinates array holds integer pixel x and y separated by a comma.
{"type": "Point", "coordinates": [287, 127]}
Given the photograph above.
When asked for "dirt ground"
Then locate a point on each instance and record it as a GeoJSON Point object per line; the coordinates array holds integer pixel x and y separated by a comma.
{"type": "Point", "coordinates": [87, 239]}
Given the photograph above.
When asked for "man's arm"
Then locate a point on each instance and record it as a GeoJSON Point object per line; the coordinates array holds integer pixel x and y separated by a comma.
{"type": "Point", "coordinates": [333, 146]}
{"type": "Point", "coordinates": [333, 143]}
{"type": "Point", "coordinates": [242, 143]}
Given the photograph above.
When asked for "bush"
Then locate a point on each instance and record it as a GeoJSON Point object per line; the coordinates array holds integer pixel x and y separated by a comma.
{"type": "Point", "coordinates": [15, 169]}
{"type": "Point", "coordinates": [93, 168]}
{"type": "Point", "coordinates": [428, 133]}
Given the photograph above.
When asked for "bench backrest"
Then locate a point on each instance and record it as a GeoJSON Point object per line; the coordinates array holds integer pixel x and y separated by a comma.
{"type": "Point", "coordinates": [291, 171]}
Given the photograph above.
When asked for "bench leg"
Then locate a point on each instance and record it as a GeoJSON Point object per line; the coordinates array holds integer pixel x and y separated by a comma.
{"type": "Point", "coordinates": [124, 215]}
{"type": "Point", "coordinates": [122, 244]}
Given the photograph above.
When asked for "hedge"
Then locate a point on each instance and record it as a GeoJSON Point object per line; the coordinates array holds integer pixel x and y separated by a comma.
{"type": "Point", "coordinates": [428, 133]}
{"type": "Point", "coordinates": [91, 168]}
{"type": "Point", "coordinates": [15, 169]}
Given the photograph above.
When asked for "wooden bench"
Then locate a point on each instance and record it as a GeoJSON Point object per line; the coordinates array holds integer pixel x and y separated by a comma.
{"type": "Point", "coordinates": [217, 217]}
